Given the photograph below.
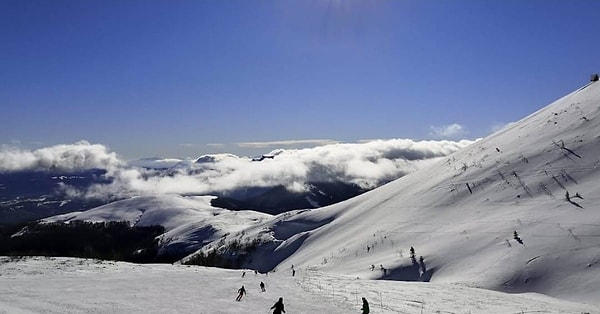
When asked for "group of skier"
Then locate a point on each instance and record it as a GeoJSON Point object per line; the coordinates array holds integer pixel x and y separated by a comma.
{"type": "Point", "coordinates": [242, 291]}
{"type": "Point", "coordinates": [277, 308]}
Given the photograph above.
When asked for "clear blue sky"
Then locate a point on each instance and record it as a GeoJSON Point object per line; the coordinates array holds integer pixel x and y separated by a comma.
{"type": "Point", "coordinates": [168, 78]}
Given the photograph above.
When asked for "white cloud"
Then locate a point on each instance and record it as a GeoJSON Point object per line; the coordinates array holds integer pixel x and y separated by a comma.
{"type": "Point", "coordinates": [169, 160]}
{"type": "Point", "coordinates": [497, 126]}
{"type": "Point", "coordinates": [454, 130]}
{"type": "Point", "coordinates": [366, 164]}
{"type": "Point", "coordinates": [317, 142]}
{"type": "Point", "coordinates": [78, 156]}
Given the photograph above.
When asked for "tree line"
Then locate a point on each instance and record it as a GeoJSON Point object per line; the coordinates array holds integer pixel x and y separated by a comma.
{"type": "Point", "coordinates": [115, 240]}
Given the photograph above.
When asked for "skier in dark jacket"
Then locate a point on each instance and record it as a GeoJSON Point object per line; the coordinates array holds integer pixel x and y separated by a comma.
{"type": "Point", "coordinates": [262, 286]}
{"type": "Point", "coordinates": [241, 292]}
{"type": "Point", "coordinates": [365, 307]}
{"type": "Point", "coordinates": [278, 307]}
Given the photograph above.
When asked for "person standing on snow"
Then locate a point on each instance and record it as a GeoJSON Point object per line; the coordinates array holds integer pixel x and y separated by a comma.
{"type": "Point", "coordinates": [262, 286]}
{"type": "Point", "coordinates": [278, 307]}
{"type": "Point", "coordinates": [241, 292]}
{"type": "Point", "coordinates": [365, 307]}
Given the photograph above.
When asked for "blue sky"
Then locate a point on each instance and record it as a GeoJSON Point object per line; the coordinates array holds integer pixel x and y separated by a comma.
{"type": "Point", "coordinates": [184, 78]}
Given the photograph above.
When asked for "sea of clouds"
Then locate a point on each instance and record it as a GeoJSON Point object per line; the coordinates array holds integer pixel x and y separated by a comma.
{"type": "Point", "coordinates": [367, 164]}
{"type": "Point", "coordinates": [65, 157]}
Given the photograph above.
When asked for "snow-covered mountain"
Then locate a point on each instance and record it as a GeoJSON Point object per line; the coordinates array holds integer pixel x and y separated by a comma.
{"type": "Point", "coordinates": [155, 162]}
{"type": "Point", "coordinates": [535, 182]}
{"type": "Point", "coordinates": [189, 222]}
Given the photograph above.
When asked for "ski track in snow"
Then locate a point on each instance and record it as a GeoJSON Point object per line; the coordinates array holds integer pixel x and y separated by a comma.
{"type": "Point", "coordinates": [70, 285]}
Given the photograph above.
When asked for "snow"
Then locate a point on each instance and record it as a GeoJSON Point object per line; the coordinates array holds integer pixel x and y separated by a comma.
{"type": "Point", "coordinates": [68, 285]}
{"type": "Point", "coordinates": [155, 162]}
{"type": "Point", "coordinates": [189, 221]}
{"type": "Point", "coordinates": [459, 213]}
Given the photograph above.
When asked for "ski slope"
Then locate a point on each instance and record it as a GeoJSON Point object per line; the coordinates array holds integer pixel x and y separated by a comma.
{"type": "Point", "coordinates": [67, 285]}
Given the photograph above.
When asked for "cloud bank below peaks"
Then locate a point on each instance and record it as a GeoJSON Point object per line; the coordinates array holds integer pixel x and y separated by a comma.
{"type": "Point", "coordinates": [368, 165]}
{"type": "Point", "coordinates": [65, 157]}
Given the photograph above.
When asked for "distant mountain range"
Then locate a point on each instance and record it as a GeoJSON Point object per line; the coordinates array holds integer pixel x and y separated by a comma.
{"type": "Point", "coordinates": [278, 199]}
{"type": "Point", "coordinates": [31, 195]}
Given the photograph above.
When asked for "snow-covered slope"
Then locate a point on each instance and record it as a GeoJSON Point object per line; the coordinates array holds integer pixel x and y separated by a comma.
{"type": "Point", "coordinates": [66, 285]}
{"type": "Point", "coordinates": [460, 213]}
{"type": "Point", "coordinates": [189, 222]}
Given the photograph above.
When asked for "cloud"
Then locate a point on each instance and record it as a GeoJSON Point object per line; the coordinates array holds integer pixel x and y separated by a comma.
{"type": "Point", "coordinates": [188, 145]}
{"type": "Point", "coordinates": [454, 130]}
{"type": "Point", "coordinates": [497, 126]}
{"type": "Point", "coordinates": [368, 164]}
{"type": "Point", "coordinates": [169, 160]}
{"type": "Point", "coordinates": [285, 143]}
{"type": "Point", "coordinates": [68, 157]}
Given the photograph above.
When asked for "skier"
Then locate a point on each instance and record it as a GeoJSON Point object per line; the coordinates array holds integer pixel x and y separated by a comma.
{"type": "Point", "coordinates": [278, 307]}
{"type": "Point", "coordinates": [241, 292]}
{"type": "Point", "coordinates": [422, 263]}
{"type": "Point", "coordinates": [262, 286]}
{"type": "Point", "coordinates": [516, 236]}
{"type": "Point", "coordinates": [365, 307]}
{"type": "Point", "coordinates": [243, 274]}
{"type": "Point", "coordinates": [293, 272]}
{"type": "Point", "coordinates": [412, 255]}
